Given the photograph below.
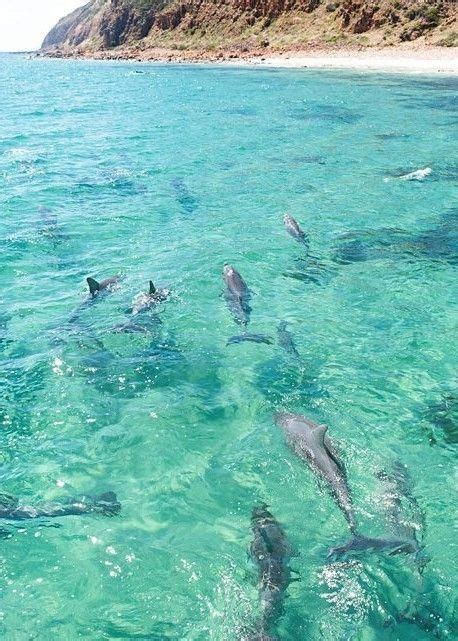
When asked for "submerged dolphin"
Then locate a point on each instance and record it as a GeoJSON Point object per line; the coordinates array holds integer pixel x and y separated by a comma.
{"type": "Point", "coordinates": [106, 504]}
{"type": "Point", "coordinates": [294, 230]}
{"type": "Point", "coordinates": [311, 443]}
{"type": "Point", "coordinates": [187, 201]}
{"type": "Point", "coordinates": [402, 510]}
{"type": "Point", "coordinates": [95, 286]}
{"type": "Point", "coordinates": [286, 340]}
{"type": "Point", "coordinates": [147, 300]}
{"type": "Point", "coordinates": [271, 552]}
{"type": "Point", "coordinates": [238, 297]}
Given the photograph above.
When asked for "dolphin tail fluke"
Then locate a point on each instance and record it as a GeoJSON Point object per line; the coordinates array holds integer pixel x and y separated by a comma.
{"type": "Point", "coordinates": [152, 289]}
{"type": "Point", "coordinates": [248, 337]}
{"type": "Point", "coordinates": [361, 543]}
{"type": "Point", "coordinates": [94, 286]}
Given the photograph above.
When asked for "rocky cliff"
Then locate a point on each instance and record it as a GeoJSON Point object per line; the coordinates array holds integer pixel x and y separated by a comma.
{"type": "Point", "coordinates": [136, 26]}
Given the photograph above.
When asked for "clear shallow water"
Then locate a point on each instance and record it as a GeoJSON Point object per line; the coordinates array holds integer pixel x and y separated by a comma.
{"type": "Point", "coordinates": [167, 174]}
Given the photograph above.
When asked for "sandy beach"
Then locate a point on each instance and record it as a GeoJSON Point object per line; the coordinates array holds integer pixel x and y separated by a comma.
{"type": "Point", "coordinates": [393, 59]}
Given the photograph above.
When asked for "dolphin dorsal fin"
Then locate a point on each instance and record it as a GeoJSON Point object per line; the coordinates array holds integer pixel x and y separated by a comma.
{"type": "Point", "coordinates": [320, 432]}
{"type": "Point", "coordinates": [152, 289]}
{"type": "Point", "coordinates": [94, 286]}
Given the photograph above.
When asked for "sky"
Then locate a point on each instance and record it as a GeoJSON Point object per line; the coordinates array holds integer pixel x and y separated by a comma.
{"type": "Point", "coordinates": [24, 23]}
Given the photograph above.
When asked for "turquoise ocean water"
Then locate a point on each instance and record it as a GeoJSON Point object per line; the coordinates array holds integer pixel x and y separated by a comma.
{"type": "Point", "coordinates": [167, 172]}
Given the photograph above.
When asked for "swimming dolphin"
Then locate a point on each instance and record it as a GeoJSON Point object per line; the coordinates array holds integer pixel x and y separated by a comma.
{"type": "Point", "coordinates": [444, 415]}
{"type": "Point", "coordinates": [238, 297]}
{"type": "Point", "coordinates": [106, 504]}
{"type": "Point", "coordinates": [286, 340]}
{"type": "Point", "coordinates": [187, 201]}
{"type": "Point", "coordinates": [147, 300]}
{"type": "Point", "coordinates": [419, 174]}
{"type": "Point", "coordinates": [95, 287]}
{"type": "Point", "coordinates": [48, 226]}
{"type": "Point", "coordinates": [311, 443]}
{"type": "Point", "coordinates": [271, 552]}
{"type": "Point", "coordinates": [402, 510]}
{"type": "Point", "coordinates": [294, 230]}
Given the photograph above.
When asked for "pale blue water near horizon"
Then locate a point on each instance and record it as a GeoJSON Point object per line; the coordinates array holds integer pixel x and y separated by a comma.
{"type": "Point", "coordinates": [167, 172]}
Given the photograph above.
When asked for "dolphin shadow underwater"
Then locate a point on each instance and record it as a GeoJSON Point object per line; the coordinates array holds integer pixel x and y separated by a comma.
{"type": "Point", "coordinates": [157, 364]}
{"type": "Point", "coordinates": [238, 296]}
{"type": "Point", "coordinates": [271, 552]}
{"type": "Point", "coordinates": [438, 243]}
{"type": "Point", "coordinates": [310, 442]}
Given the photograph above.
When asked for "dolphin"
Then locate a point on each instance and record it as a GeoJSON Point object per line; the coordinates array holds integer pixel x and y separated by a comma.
{"type": "Point", "coordinates": [48, 226]}
{"type": "Point", "coordinates": [95, 286]}
{"type": "Point", "coordinates": [271, 551]}
{"type": "Point", "coordinates": [106, 504]}
{"type": "Point", "coordinates": [286, 340]}
{"type": "Point", "coordinates": [147, 300]}
{"type": "Point", "coordinates": [294, 230]}
{"type": "Point", "coordinates": [311, 443]}
{"type": "Point", "coordinates": [402, 510]}
{"type": "Point", "coordinates": [444, 415]}
{"type": "Point", "coordinates": [187, 201]}
{"type": "Point", "coordinates": [419, 174]}
{"type": "Point", "coordinates": [238, 297]}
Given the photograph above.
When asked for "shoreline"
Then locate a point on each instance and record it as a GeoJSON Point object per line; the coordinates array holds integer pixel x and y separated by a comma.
{"type": "Point", "coordinates": [383, 60]}
{"type": "Point", "coordinates": [395, 59]}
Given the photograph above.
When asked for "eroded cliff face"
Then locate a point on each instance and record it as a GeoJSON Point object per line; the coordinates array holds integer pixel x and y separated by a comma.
{"type": "Point", "coordinates": [104, 24]}
{"type": "Point", "coordinates": [250, 24]}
